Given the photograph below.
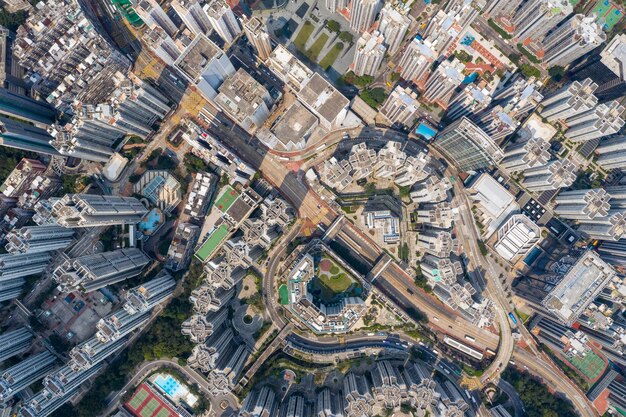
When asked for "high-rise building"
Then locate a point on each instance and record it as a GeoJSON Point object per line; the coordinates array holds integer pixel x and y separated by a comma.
{"type": "Point", "coordinates": [43, 404]}
{"type": "Point", "coordinates": [147, 295]}
{"type": "Point", "coordinates": [22, 265]}
{"type": "Point", "coordinates": [443, 81]}
{"type": "Point", "coordinates": [605, 119]}
{"type": "Point", "coordinates": [21, 135]}
{"type": "Point", "coordinates": [576, 37]}
{"type": "Point", "coordinates": [333, 5]}
{"type": "Point", "coordinates": [192, 15]}
{"type": "Point", "coordinates": [526, 154]}
{"type": "Point", "coordinates": [33, 239]}
{"type": "Point", "coordinates": [497, 8]}
{"type": "Point", "coordinates": [612, 153]}
{"type": "Point", "coordinates": [417, 60]}
{"type": "Point", "coordinates": [119, 324]}
{"type": "Point", "coordinates": [91, 272]}
{"type": "Point", "coordinates": [363, 14]}
{"type": "Point", "coordinates": [154, 16]}
{"type": "Point", "coordinates": [261, 402]}
{"type": "Point", "coordinates": [37, 112]}
{"type": "Point", "coordinates": [204, 64]}
{"type": "Point", "coordinates": [467, 146]}
{"type": "Point", "coordinates": [447, 26]}
{"type": "Point", "coordinates": [89, 210]}
{"type": "Point", "coordinates": [19, 376]}
{"type": "Point", "coordinates": [537, 17]}
{"type": "Point", "coordinates": [471, 100]}
{"type": "Point", "coordinates": [257, 35]}
{"type": "Point", "coordinates": [574, 98]}
{"type": "Point", "coordinates": [92, 352]}
{"type": "Point", "coordinates": [583, 204]}
{"type": "Point", "coordinates": [554, 175]}
{"type": "Point", "coordinates": [14, 342]}
{"type": "Point", "coordinates": [393, 26]}
{"type": "Point", "coordinates": [369, 54]}
{"type": "Point", "coordinates": [401, 107]}
{"type": "Point", "coordinates": [222, 20]}
{"type": "Point", "coordinates": [496, 122]}
{"type": "Point", "coordinates": [65, 381]}
{"type": "Point", "coordinates": [607, 70]}
{"type": "Point", "coordinates": [329, 404]}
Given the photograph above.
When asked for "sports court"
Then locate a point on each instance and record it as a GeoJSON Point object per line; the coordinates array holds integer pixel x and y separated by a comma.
{"type": "Point", "coordinates": [145, 403]}
{"type": "Point", "coordinates": [213, 241]}
{"type": "Point", "coordinates": [591, 365]}
{"type": "Point", "coordinates": [226, 199]}
{"type": "Point", "coordinates": [608, 13]}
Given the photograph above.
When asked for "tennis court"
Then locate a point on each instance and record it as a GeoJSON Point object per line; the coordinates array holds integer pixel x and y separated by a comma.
{"type": "Point", "coordinates": [138, 399]}
{"type": "Point", "coordinates": [149, 408]}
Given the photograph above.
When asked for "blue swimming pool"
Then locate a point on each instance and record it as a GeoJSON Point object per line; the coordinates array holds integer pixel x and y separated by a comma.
{"type": "Point", "coordinates": [168, 384]}
{"type": "Point", "coordinates": [426, 131]}
{"type": "Point", "coordinates": [151, 221]}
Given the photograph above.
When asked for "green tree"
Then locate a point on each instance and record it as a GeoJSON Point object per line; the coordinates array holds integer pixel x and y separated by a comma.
{"type": "Point", "coordinates": [346, 37]}
{"type": "Point", "coordinates": [556, 72]}
{"type": "Point", "coordinates": [530, 71]}
{"type": "Point", "coordinates": [333, 26]}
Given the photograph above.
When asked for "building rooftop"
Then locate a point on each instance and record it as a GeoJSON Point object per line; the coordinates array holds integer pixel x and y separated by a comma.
{"type": "Point", "coordinates": [296, 123]}
{"type": "Point", "coordinates": [197, 56]}
{"type": "Point", "coordinates": [320, 96]}
{"type": "Point", "coordinates": [579, 287]}
{"type": "Point", "coordinates": [614, 56]}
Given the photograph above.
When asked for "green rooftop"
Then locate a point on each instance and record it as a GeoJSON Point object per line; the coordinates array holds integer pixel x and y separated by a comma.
{"type": "Point", "coordinates": [226, 199]}
{"type": "Point", "coordinates": [211, 244]}
{"type": "Point", "coordinates": [126, 8]}
{"type": "Point", "coordinates": [591, 365]}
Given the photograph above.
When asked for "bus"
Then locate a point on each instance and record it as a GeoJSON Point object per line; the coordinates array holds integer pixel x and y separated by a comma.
{"type": "Point", "coordinates": [513, 319]}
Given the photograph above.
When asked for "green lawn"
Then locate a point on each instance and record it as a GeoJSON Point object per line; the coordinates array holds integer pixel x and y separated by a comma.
{"type": "Point", "coordinates": [331, 56]}
{"type": "Point", "coordinates": [316, 48]}
{"type": "Point", "coordinates": [283, 291]}
{"type": "Point", "coordinates": [304, 35]}
{"type": "Point", "coordinates": [211, 244]}
{"type": "Point", "coordinates": [337, 283]}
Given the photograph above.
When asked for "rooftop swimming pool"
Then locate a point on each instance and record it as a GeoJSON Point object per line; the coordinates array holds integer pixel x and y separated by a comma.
{"type": "Point", "coordinates": [151, 221]}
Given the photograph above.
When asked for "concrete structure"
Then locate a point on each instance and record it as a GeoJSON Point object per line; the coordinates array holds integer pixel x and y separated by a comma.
{"type": "Point", "coordinates": [612, 153]}
{"type": "Point", "coordinates": [92, 352]}
{"type": "Point", "coordinates": [154, 16]}
{"type": "Point", "coordinates": [393, 25]}
{"type": "Point", "coordinates": [40, 113]}
{"type": "Point", "coordinates": [608, 70]}
{"type": "Point", "coordinates": [22, 265]}
{"type": "Point", "coordinates": [605, 119]}
{"type": "Point", "coordinates": [537, 17]}
{"type": "Point", "coordinates": [467, 146]}
{"type": "Point", "coordinates": [288, 68]}
{"type": "Point", "coordinates": [21, 135]}
{"type": "Point", "coordinates": [377, 214]}
{"type": "Point", "coordinates": [446, 27]}
{"type": "Point", "coordinates": [19, 376]}
{"type": "Point", "coordinates": [14, 342]}
{"type": "Point", "coordinates": [206, 299]}
{"type": "Point", "coordinates": [401, 107]}
{"type": "Point", "coordinates": [369, 54]}
{"type": "Point", "coordinates": [440, 271]}
{"type": "Point", "coordinates": [554, 175]}
{"type": "Point", "coordinates": [441, 84]}
{"type": "Point", "coordinates": [119, 324]}
{"type": "Point", "coordinates": [64, 382]}
{"type": "Point", "coordinates": [334, 5]}
{"type": "Point", "coordinates": [439, 215]}
{"type": "Point", "coordinates": [496, 122]}
{"type": "Point", "coordinates": [387, 385]}
{"type": "Point", "coordinates": [578, 288]}
{"type": "Point", "coordinates": [358, 396]}
{"type": "Point", "coordinates": [205, 65]}
{"type": "Point", "coordinates": [526, 154]}
{"type": "Point", "coordinates": [23, 175]}
{"type": "Point", "coordinates": [499, 8]}
{"type": "Point", "coordinates": [362, 160]}
{"type": "Point", "coordinates": [516, 237]}
{"type": "Point", "coordinates": [222, 19]}
{"type": "Point", "coordinates": [146, 296]}
{"type": "Point", "coordinates": [33, 239]}
{"type": "Point", "coordinates": [257, 35]}
{"type": "Point", "coordinates": [89, 210]}
{"type": "Point", "coordinates": [336, 173]}
{"type": "Point", "coordinates": [437, 242]}
{"type": "Point", "coordinates": [324, 101]}
{"type": "Point", "coordinates": [433, 190]}
{"type": "Point", "coordinates": [576, 37]}
{"type": "Point", "coordinates": [494, 203]}
{"type": "Point", "coordinates": [245, 100]}
{"type": "Point", "coordinates": [417, 60]}
{"type": "Point", "coordinates": [471, 100]}
{"type": "Point", "coordinates": [363, 14]}
{"type": "Point", "coordinates": [574, 98]}
{"type": "Point", "coordinates": [583, 204]}
{"type": "Point", "coordinates": [261, 402]}
{"type": "Point", "coordinates": [328, 404]}
{"type": "Point", "coordinates": [193, 16]}
{"type": "Point", "coordinates": [91, 272]}
{"type": "Point", "coordinates": [182, 246]}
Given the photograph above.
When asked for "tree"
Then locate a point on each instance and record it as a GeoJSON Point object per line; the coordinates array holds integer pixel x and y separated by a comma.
{"type": "Point", "coordinates": [374, 97]}
{"type": "Point", "coordinates": [556, 72]}
{"type": "Point", "coordinates": [333, 26]}
{"type": "Point", "coordinates": [394, 77]}
{"type": "Point", "coordinates": [346, 37]}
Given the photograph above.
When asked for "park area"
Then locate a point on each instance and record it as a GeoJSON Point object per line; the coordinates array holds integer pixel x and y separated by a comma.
{"type": "Point", "coordinates": [332, 281]}
{"type": "Point", "coordinates": [591, 365]}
